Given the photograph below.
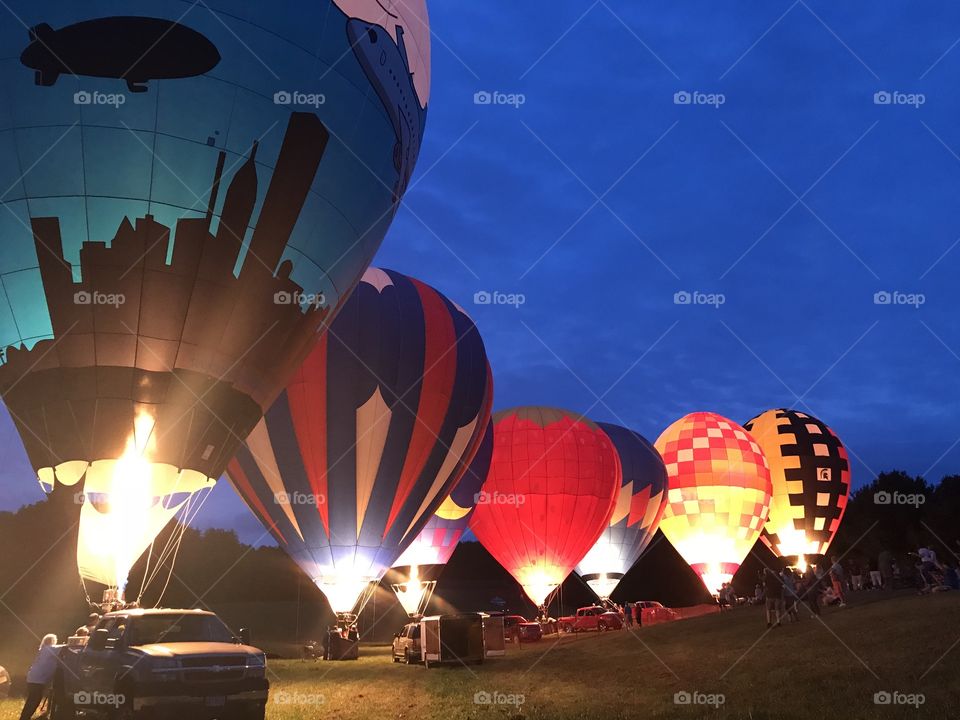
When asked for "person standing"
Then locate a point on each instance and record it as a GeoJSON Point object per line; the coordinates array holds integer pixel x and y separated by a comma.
{"type": "Point", "coordinates": [85, 630]}
{"type": "Point", "coordinates": [812, 589]}
{"type": "Point", "coordinates": [837, 578]}
{"type": "Point", "coordinates": [876, 579]}
{"type": "Point", "coordinates": [886, 566]}
{"type": "Point", "coordinates": [773, 589]}
{"type": "Point", "coordinates": [856, 576]}
{"type": "Point", "coordinates": [40, 675]}
{"type": "Point", "coordinates": [790, 593]}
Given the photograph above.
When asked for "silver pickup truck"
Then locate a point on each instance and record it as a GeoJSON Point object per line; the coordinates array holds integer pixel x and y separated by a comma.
{"type": "Point", "coordinates": [161, 663]}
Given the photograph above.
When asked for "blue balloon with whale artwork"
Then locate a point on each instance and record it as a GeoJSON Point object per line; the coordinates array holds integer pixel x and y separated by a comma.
{"type": "Point", "coordinates": [190, 192]}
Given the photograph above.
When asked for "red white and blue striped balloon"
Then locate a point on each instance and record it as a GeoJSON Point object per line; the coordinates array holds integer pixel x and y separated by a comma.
{"type": "Point", "coordinates": [369, 438]}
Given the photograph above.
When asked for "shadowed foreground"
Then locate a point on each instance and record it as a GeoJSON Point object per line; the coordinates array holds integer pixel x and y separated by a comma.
{"type": "Point", "coordinates": [807, 670]}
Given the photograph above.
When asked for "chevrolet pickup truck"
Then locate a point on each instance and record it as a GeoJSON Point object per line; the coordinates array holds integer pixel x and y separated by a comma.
{"type": "Point", "coordinates": [161, 663]}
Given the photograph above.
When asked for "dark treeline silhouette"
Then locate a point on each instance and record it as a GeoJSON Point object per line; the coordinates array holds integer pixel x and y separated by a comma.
{"type": "Point", "coordinates": [263, 590]}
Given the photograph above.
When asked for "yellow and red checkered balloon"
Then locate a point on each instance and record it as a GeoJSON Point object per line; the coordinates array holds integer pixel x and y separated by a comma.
{"type": "Point", "coordinates": [811, 482]}
{"type": "Point", "coordinates": [719, 494]}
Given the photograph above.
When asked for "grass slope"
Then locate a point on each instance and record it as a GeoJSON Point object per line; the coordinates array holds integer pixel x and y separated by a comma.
{"type": "Point", "coordinates": [808, 670]}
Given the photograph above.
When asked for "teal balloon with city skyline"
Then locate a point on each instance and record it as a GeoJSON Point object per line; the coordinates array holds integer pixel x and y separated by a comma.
{"type": "Point", "coordinates": [190, 192]}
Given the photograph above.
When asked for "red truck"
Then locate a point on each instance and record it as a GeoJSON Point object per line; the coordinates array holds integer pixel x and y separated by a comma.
{"type": "Point", "coordinates": [592, 617]}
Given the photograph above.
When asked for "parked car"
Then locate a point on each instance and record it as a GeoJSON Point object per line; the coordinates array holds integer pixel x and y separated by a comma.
{"type": "Point", "coordinates": [517, 627]}
{"type": "Point", "coordinates": [592, 617]}
{"type": "Point", "coordinates": [406, 644]}
{"type": "Point", "coordinates": [185, 663]}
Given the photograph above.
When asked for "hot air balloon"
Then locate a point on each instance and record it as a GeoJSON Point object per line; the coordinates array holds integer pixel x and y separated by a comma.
{"type": "Point", "coordinates": [553, 485]}
{"type": "Point", "coordinates": [640, 504]}
{"type": "Point", "coordinates": [718, 497]}
{"type": "Point", "coordinates": [811, 483]}
{"type": "Point", "coordinates": [431, 549]}
{"type": "Point", "coordinates": [189, 199]}
{"type": "Point", "coordinates": [367, 440]}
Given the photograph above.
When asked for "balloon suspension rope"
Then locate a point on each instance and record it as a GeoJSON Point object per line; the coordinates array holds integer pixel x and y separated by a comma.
{"type": "Point", "coordinates": [171, 548]}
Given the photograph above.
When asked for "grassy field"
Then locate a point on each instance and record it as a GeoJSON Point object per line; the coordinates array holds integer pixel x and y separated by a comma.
{"type": "Point", "coordinates": [830, 669]}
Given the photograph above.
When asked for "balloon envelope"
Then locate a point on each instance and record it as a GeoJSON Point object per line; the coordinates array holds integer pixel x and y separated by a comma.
{"type": "Point", "coordinates": [190, 196]}
{"type": "Point", "coordinates": [439, 537]}
{"type": "Point", "coordinates": [810, 472]}
{"type": "Point", "coordinates": [719, 494]}
{"type": "Point", "coordinates": [636, 517]}
{"type": "Point", "coordinates": [552, 486]}
{"type": "Point", "coordinates": [367, 440]}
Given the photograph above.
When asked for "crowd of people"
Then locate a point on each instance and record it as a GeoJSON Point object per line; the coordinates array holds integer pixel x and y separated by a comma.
{"type": "Point", "coordinates": [830, 582]}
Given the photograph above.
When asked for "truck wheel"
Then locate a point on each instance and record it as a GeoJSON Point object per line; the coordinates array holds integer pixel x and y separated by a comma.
{"type": "Point", "coordinates": [601, 626]}
{"type": "Point", "coordinates": [406, 655]}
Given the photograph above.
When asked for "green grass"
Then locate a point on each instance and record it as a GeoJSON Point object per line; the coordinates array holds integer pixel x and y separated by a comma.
{"type": "Point", "coordinates": [808, 670]}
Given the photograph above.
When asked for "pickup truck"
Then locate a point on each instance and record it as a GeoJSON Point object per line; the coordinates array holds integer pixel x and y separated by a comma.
{"type": "Point", "coordinates": [651, 612]}
{"type": "Point", "coordinates": [517, 628]}
{"type": "Point", "coordinates": [161, 663]}
{"type": "Point", "coordinates": [593, 617]}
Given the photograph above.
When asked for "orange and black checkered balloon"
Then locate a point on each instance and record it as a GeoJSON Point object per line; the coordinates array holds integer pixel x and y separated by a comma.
{"type": "Point", "coordinates": [719, 494]}
{"type": "Point", "coordinates": [811, 481]}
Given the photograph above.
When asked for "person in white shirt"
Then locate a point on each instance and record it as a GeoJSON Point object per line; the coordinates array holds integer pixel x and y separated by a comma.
{"type": "Point", "coordinates": [40, 675]}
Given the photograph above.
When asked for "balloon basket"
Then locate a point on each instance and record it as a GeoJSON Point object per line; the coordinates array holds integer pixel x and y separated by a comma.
{"type": "Point", "coordinates": [112, 601]}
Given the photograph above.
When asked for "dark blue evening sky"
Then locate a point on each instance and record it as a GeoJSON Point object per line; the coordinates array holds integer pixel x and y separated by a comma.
{"type": "Point", "coordinates": [797, 200]}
